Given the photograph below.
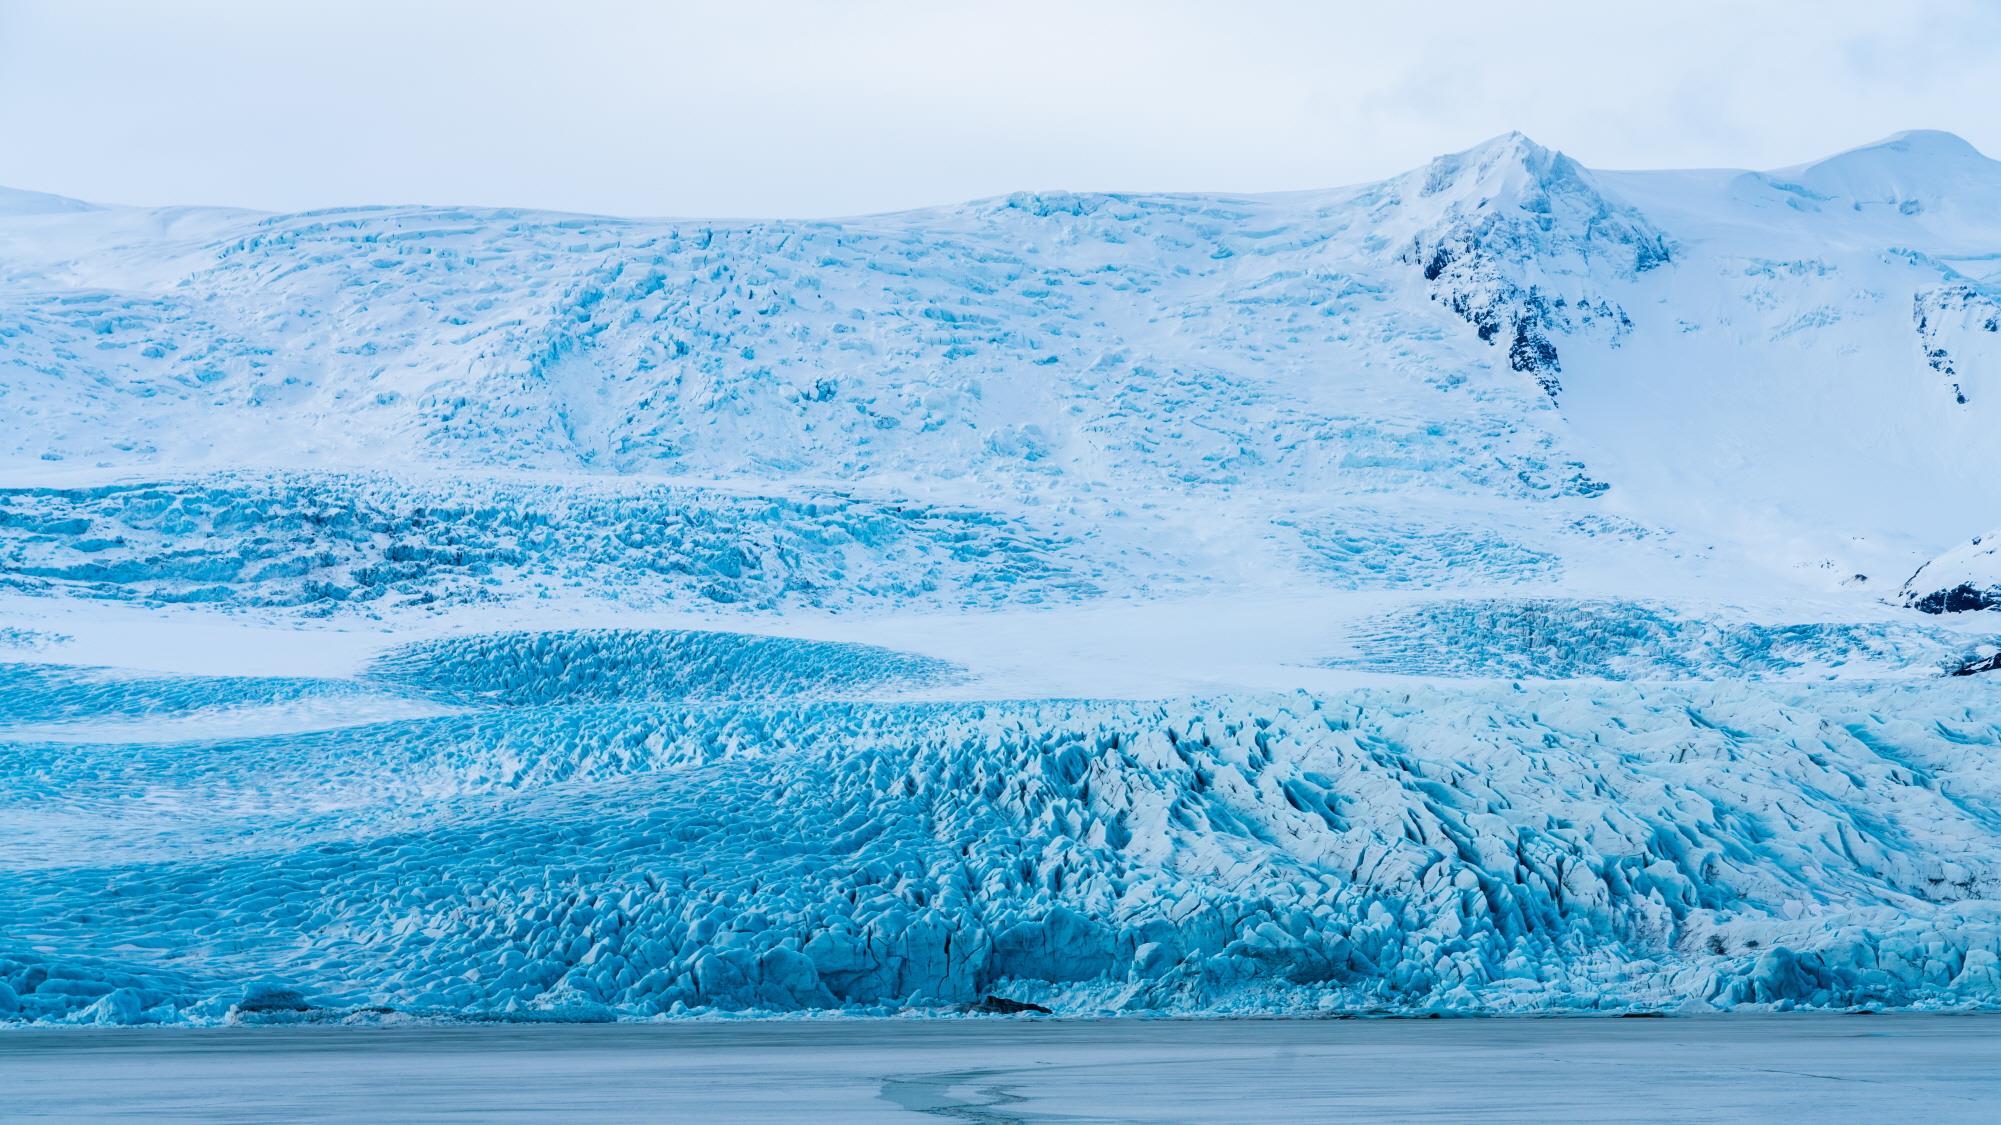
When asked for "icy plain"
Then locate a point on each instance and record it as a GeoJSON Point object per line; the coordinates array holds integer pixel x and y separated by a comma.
{"type": "Point", "coordinates": [1747, 1069]}
{"type": "Point", "coordinates": [1505, 588]}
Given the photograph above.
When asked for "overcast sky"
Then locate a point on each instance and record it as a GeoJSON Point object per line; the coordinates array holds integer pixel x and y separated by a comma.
{"type": "Point", "coordinates": [797, 108]}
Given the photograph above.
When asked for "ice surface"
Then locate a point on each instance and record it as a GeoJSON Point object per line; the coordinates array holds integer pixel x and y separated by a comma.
{"type": "Point", "coordinates": [1485, 847]}
{"type": "Point", "coordinates": [1563, 639]}
{"type": "Point", "coordinates": [621, 666]}
{"type": "Point", "coordinates": [1750, 1069]}
{"type": "Point", "coordinates": [332, 544]}
{"type": "Point", "coordinates": [1475, 592]}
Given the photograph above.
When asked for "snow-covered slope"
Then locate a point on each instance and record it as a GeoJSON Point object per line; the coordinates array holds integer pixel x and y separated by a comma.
{"type": "Point", "coordinates": [1967, 577]}
{"type": "Point", "coordinates": [1793, 359]}
{"type": "Point", "coordinates": [1475, 589]}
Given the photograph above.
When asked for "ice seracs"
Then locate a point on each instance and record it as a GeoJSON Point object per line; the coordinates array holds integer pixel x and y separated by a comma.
{"type": "Point", "coordinates": [1490, 847]}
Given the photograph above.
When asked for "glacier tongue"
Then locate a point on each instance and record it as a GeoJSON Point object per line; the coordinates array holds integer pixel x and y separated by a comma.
{"type": "Point", "coordinates": [1487, 847]}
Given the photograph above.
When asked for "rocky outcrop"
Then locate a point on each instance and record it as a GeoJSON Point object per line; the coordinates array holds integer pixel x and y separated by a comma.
{"type": "Point", "coordinates": [1989, 663]}
{"type": "Point", "coordinates": [1962, 580]}
{"type": "Point", "coordinates": [1522, 241]}
{"type": "Point", "coordinates": [1945, 317]}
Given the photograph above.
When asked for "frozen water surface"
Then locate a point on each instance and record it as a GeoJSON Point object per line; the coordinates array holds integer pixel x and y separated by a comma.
{"type": "Point", "coordinates": [1716, 1069]}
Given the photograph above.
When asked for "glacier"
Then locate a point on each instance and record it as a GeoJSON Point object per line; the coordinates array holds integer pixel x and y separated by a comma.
{"type": "Point", "coordinates": [1510, 587]}
{"type": "Point", "coordinates": [1505, 847]}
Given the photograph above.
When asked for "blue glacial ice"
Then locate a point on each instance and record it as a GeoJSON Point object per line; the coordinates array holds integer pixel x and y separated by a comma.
{"type": "Point", "coordinates": [710, 843]}
{"type": "Point", "coordinates": [1560, 639]}
{"type": "Point", "coordinates": [329, 543]}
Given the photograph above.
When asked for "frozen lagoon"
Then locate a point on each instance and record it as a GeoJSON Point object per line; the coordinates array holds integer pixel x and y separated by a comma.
{"type": "Point", "coordinates": [1937, 1068]}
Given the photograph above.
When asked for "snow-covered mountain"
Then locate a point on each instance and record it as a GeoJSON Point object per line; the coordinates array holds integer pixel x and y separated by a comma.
{"type": "Point", "coordinates": [1967, 577]}
{"type": "Point", "coordinates": [1483, 588]}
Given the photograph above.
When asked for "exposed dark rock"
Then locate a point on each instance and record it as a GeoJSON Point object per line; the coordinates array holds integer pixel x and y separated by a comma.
{"type": "Point", "coordinates": [1002, 1006]}
{"type": "Point", "coordinates": [1467, 281]}
{"type": "Point", "coordinates": [1988, 663]}
{"type": "Point", "coordinates": [1963, 598]}
{"type": "Point", "coordinates": [1537, 209]}
{"type": "Point", "coordinates": [1940, 309]}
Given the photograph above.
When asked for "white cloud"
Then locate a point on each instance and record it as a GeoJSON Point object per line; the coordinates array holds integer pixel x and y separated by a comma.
{"type": "Point", "coordinates": [826, 108]}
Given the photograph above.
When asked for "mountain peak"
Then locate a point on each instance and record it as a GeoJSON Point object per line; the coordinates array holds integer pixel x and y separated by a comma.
{"type": "Point", "coordinates": [1936, 142]}
{"type": "Point", "coordinates": [15, 201]}
{"type": "Point", "coordinates": [1909, 170]}
{"type": "Point", "coordinates": [1510, 166]}
{"type": "Point", "coordinates": [1513, 143]}
{"type": "Point", "coordinates": [1926, 149]}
